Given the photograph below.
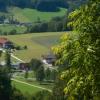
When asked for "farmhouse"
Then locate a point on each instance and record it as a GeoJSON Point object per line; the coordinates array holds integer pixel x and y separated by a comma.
{"type": "Point", "coordinates": [48, 59]}
{"type": "Point", "coordinates": [5, 43]}
{"type": "Point", "coordinates": [24, 66]}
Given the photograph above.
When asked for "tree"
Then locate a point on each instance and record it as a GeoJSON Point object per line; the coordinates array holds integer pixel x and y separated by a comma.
{"type": "Point", "coordinates": [17, 95]}
{"type": "Point", "coordinates": [54, 75]}
{"type": "Point", "coordinates": [0, 53]}
{"type": "Point", "coordinates": [79, 52]}
{"type": "Point", "coordinates": [8, 60]}
{"type": "Point", "coordinates": [40, 75]}
{"type": "Point", "coordinates": [26, 74]}
{"type": "Point", "coordinates": [58, 93]}
{"type": "Point", "coordinates": [35, 64]}
{"type": "Point", "coordinates": [25, 47]}
{"type": "Point", "coordinates": [5, 84]}
{"type": "Point", "coordinates": [13, 32]}
{"type": "Point", "coordinates": [43, 95]}
{"type": "Point", "coordinates": [47, 74]}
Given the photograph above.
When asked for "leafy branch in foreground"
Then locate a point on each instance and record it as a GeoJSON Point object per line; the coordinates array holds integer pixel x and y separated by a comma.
{"type": "Point", "coordinates": [80, 54]}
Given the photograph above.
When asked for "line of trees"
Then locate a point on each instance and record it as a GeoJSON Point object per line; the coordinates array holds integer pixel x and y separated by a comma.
{"type": "Point", "coordinates": [56, 24]}
{"type": "Point", "coordinates": [40, 72]}
{"type": "Point", "coordinates": [42, 5]}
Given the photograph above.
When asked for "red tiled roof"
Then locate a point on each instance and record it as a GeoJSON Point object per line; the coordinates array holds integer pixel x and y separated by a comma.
{"type": "Point", "coordinates": [3, 40]}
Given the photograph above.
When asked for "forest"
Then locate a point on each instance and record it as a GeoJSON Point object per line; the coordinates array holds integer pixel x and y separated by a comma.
{"type": "Point", "coordinates": [42, 5]}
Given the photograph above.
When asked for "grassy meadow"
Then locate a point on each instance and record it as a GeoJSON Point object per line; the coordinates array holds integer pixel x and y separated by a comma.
{"type": "Point", "coordinates": [25, 88]}
{"type": "Point", "coordinates": [31, 15]}
{"type": "Point", "coordinates": [7, 28]}
{"type": "Point", "coordinates": [37, 44]}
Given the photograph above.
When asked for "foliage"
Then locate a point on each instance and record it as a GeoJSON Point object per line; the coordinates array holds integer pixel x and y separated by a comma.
{"type": "Point", "coordinates": [54, 75]}
{"type": "Point", "coordinates": [25, 47]}
{"type": "Point", "coordinates": [56, 24]}
{"type": "Point", "coordinates": [0, 53]}
{"type": "Point", "coordinates": [47, 74]}
{"type": "Point", "coordinates": [26, 74]}
{"type": "Point", "coordinates": [17, 95]}
{"type": "Point", "coordinates": [40, 75]}
{"type": "Point", "coordinates": [43, 95]}
{"type": "Point", "coordinates": [13, 32]}
{"type": "Point", "coordinates": [5, 84]}
{"type": "Point", "coordinates": [79, 53]}
{"type": "Point", "coordinates": [8, 59]}
{"type": "Point", "coordinates": [42, 5]}
{"type": "Point", "coordinates": [58, 93]}
{"type": "Point", "coordinates": [35, 64]}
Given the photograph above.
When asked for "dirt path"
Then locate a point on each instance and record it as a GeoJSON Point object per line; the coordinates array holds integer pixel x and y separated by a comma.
{"type": "Point", "coordinates": [31, 85]}
{"type": "Point", "coordinates": [17, 58]}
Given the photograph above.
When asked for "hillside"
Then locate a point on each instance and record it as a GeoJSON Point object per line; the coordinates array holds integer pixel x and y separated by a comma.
{"type": "Point", "coordinates": [29, 12]}
{"type": "Point", "coordinates": [32, 15]}
{"type": "Point", "coordinates": [37, 44]}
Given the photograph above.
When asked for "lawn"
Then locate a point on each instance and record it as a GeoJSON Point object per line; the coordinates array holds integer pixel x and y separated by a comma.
{"type": "Point", "coordinates": [34, 82]}
{"type": "Point", "coordinates": [37, 43]}
{"type": "Point", "coordinates": [31, 86]}
{"type": "Point", "coordinates": [25, 88]}
{"type": "Point", "coordinates": [31, 15]}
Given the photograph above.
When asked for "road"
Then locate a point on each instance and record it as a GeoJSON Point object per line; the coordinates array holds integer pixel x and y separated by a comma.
{"type": "Point", "coordinates": [12, 55]}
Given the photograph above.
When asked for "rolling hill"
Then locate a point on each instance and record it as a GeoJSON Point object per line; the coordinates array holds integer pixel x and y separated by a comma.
{"type": "Point", "coordinates": [30, 10]}
{"type": "Point", "coordinates": [32, 15]}
{"type": "Point", "coordinates": [37, 44]}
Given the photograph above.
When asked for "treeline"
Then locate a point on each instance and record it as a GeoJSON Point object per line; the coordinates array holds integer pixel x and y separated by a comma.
{"type": "Point", "coordinates": [56, 24]}
{"type": "Point", "coordinates": [42, 5]}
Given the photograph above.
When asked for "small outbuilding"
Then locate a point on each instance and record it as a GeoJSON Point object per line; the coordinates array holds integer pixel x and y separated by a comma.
{"type": "Point", "coordinates": [49, 59]}
{"type": "Point", "coordinates": [5, 43]}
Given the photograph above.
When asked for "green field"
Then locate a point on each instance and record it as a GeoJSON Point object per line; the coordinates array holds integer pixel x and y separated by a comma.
{"type": "Point", "coordinates": [7, 28]}
{"type": "Point", "coordinates": [37, 43]}
{"type": "Point", "coordinates": [25, 88]}
{"type": "Point", "coordinates": [32, 86]}
{"type": "Point", "coordinates": [47, 41]}
{"type": "Point", "coordinates": [31, 15]}
{"type": "Point", "coordinates": [27, 15]}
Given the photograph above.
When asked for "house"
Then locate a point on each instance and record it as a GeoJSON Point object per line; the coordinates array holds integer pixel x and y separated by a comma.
{"type": "Point", "coordinates": [6, 21]}
{"type": "Point", "coordinates": [5, 43]}
{"type": "Point", "coordinates": [15, 65]}
{"type": "Point", "coordinates": [49, 59]}
{"type": "Point", "coordinates": [24, 66]}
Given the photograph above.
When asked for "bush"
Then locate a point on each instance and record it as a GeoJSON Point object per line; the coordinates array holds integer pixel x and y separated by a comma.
{"type": "Point", "coordinates": [18, 48]}
{"type": "Point", "coordinates": [13, 32]}
{"type": "Point", "coordinates": [25, 47]}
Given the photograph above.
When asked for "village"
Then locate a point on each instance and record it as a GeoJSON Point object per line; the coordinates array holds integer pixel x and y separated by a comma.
{"type": "Point", "coordinates": [20, 65]}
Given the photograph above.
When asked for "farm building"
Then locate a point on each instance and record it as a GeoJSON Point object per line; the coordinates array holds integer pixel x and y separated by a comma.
{"type": "Point", "coordinates": [24, 66]}
{"type": "Point", "coordinates": [5, 43]}
{"type": "Point", "coordinates": [48, 59]}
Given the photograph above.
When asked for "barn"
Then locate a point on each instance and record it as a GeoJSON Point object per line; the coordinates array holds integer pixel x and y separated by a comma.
{"type": "Point", "coordinates": [5, 43]}
{"type": "Point", "coordinates": [49, 59]}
